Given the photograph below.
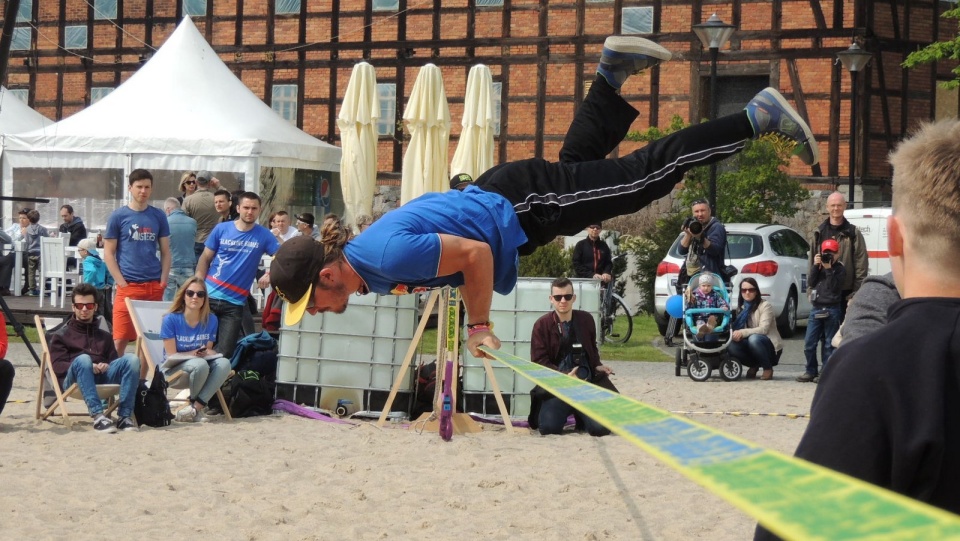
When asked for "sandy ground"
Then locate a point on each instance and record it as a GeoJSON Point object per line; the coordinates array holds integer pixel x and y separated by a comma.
{"type": "Point", "coordinates": [286, 477]}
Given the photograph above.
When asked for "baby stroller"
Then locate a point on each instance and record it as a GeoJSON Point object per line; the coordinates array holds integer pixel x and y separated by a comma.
{"type": "Point", "coordinates": [702, 352]}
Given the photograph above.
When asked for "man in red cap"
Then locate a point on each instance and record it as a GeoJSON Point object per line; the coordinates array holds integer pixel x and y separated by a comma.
{"type": "Point", "coordinates": [472, 239]}
{"type": "Point", "coordinates": [825, 283]}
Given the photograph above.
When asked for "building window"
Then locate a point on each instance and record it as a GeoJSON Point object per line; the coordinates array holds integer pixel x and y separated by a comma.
{"type": "Point", "coordinates": [489, 3]}
{"type": "Point", "coordinates": [97, 93]}
{"type": "Point", "coordinates": [387, 93]}
{"type": "Point", "coordinates": [287, 6]}
{"type": "Point", "coordinates": [637, 20]}
{"type": "Point", "coordinates": [25, 11]}
{"type": "Point", "coordinates": [22, 94]}
{"type": "Point", "coordinates": [195, 7]}
{"type": "Point", "coordinates": [285, 102]}
{"type": "Point", "coordinates": [75, 37]}
{"type": "Point", "coordinates": [497, 106]}
{"type": "Point", "coordinates": [386, 5]}
{"type": "Point", "coordinates": [104, 9]}
{"type": "Point", "coordinates": [21, 39]}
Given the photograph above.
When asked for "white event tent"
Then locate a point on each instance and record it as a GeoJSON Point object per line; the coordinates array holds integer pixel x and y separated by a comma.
{"type": "Point", "coordinates": [16, 116]}
{"type": "Point", "coordinates": [183, 110]}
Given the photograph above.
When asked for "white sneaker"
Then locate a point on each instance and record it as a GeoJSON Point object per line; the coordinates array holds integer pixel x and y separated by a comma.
{"type": "Point", "coordinates": [187, 414]}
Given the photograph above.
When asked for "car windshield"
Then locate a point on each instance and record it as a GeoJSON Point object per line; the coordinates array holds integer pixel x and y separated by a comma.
{"type": "Point", "coordinates": [741, 246]}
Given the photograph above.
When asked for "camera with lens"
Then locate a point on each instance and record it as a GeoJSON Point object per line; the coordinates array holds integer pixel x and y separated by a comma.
{"type": "Point", "coordinates": [577, 358]}
{"type": "Point", "coordinates": [693, 225]}
{"type": "Point", "coordinates": [826, 257]}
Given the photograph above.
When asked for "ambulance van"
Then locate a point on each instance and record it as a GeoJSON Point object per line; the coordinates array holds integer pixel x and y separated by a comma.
{"type": "Point", "coordinates": [872, 223]}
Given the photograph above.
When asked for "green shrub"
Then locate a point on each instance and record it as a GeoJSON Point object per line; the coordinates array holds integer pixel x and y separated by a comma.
{"type": "Point", "coordinates": [550, 260]}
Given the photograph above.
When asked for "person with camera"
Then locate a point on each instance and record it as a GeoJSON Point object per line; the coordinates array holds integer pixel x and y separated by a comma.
{"type": "Point", "coordinates": [825, 283]}
{"type": "Point", "coordinates": [853, 248]}
{"type": "Point", "coordinates": [566, 340]}
{"type": "Point", "coordinates": [704, 240]}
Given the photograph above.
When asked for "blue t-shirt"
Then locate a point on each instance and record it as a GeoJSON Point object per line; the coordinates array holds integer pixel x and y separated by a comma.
{"type": "Point", "coordinates": [138, 235]}
{"type": "Point", "coordinates": [236, 258]}
{"type": "Point", "coordinates": [188, 338]}
{"type": "Point", "coordinates": [400, 252]}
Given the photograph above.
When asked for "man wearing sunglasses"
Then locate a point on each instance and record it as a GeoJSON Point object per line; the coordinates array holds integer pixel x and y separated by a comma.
{"type": "Point", "coordinates": [566, 340]}
{"type": "Point", "coordinates": [591, 256]}
{"type": "Point", "coordinates": [83, 353]}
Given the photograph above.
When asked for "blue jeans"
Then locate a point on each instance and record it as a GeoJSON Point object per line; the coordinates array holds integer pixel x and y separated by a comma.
{"type": "Point", "coordinates": [756, 351]}
{"type": "Point", "coordinates": [554, 413]}
{"type": "Point", "coordinates": [230, 320]}
{"type": "Point", "coordinates": [205, 376]}
{"type": "Point", "coordinates": [820, 330]}
{"type": "Point", "coordinates": [124, 371]}
{"type": "Point", "coordinates": [177, 277]}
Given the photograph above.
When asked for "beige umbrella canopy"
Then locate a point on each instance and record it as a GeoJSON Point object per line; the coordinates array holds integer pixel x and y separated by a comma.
{"type": "Point", "coordinates": [474, 153]}
{"type": "Point", "coordinates": [428, 122]}
{"type": "Point", "coordinates": [358, 139]}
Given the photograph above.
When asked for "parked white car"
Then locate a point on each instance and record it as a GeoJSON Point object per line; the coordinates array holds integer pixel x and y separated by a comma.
{"type": "Point", "coordinates": [775, 256]}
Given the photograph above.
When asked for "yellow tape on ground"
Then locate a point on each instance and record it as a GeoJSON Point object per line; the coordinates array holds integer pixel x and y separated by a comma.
{"type": "Point", "coordinates": [744, 414]}
{"type": "Point", "coordinates": [791, 497]}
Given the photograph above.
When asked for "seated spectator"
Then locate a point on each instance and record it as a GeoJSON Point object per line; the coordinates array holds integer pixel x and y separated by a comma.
{"type": "Point", "coordinates": [190, 328]}
{"type": "Point", "coordinates": [73, 225]}
{"type": "Point", "coordinates": [6, 367]}
{"type": "Point", "coordinates": [83, 353]}
{"type": "Point", "coordinates": [704, 296]}
{"type": "Point", "coordinates": [565, 340]}
{"type": "Point", "coordinates": [96, 274]}
{"type": "Point", "coordinates": [755, 340]}
{"type": "Point", "coordinates": [32, 236]}
{"type": "Point", "coordinates": [188, 185]}
{"type": "Point", "coordinates": [280, 226]}
{"type": "Point", "coordinates": [305, 225]}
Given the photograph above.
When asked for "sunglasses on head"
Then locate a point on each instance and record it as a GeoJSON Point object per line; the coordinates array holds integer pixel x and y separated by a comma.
{"type": "Point", "coordinates": [197, 294]}
{"type": "Point", "coordinates": [700, 201]}
{"type": "Point", "coordinates": [564, 297]}
{"type": "Point", "coordinates": [84, 305]}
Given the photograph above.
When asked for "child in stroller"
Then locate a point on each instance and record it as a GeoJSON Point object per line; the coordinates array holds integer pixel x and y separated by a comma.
{"type": "Point", "coordinates": [706, 330]}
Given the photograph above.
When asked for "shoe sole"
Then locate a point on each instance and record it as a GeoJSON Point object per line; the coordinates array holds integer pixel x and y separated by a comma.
{"type": "Point", "coordinates": [778, 97]}
{"type": "Point", "coordinates": [637, 45]}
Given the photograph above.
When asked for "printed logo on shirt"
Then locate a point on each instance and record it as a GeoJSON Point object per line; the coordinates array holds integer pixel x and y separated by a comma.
{"type": "Point", "coordinates": [403, 289]}
{"type": "Point", "coordinates": [142, 233]}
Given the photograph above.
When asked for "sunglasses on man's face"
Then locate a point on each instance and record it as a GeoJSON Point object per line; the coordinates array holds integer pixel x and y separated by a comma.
{"type": "Point", "coordinates": [565, 297]}
{"type": "Point", "coordinates": [197, 294]}
{"type": "Point", "coordinates": [84, 305]}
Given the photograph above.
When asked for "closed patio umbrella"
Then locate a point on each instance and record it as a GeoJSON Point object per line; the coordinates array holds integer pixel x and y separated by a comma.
{"type": "Point", "coordinates": [474, 153]}
{"type": "Point", "coordinates": [357, 121]}
{"type": "Point", "coordinates": [428, 121]}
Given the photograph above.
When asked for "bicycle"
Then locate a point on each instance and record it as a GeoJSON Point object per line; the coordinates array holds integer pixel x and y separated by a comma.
{"type": "Point", "coordinates": [612, 309]}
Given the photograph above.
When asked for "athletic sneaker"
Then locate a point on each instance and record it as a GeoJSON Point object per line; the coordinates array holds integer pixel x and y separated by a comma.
{"type": "Point", "coordinates": [624, 56]}
{"type": "Point", "coordinates": [769, 112]}
{"type": "Point", "coordinates": [103, 425]}
{"type": "Point", "coordinates": [126, 424]}
{"type": "Point", "coordinates": [187, 415]}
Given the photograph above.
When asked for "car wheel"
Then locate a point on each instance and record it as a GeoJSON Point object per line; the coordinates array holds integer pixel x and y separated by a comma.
{"type": "Point", "coordinates": [787, 322]}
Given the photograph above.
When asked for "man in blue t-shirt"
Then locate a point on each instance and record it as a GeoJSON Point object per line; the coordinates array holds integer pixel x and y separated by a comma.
{"type": "Point", "coordinates": [229, 264]}
{"type": "Point", "coordinates": [135, 233]}
{"type": "Point", "coordinates": [472, 239]}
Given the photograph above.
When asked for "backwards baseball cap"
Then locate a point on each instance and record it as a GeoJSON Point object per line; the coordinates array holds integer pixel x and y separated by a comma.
{"type": "Point", "coordinates": [830, 245]}
{"type": "Point", "coordinates": [458, 179]}
{"type": "Point", "coordinates": [203, 177]}
{"type": "Point", "coordinates": [294, 270]}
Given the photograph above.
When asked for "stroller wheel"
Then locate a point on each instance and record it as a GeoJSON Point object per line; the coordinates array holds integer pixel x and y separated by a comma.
{"type": "Point", "coordinates": [731, 370]}
{"type": "Point", "coordinates": [698, 369]}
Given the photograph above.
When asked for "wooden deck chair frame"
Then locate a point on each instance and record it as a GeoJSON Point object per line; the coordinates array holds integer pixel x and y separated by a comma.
{"type": "Point", "coordinates": [150, 346]}
{"type": "Point", "coordinates": [48, 377]}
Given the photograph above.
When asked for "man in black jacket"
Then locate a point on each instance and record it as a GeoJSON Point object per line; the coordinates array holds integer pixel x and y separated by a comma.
{"type": "Point", "coordinates": [826, 286]}
{"type": "Point", "coordinates": [591, 256]}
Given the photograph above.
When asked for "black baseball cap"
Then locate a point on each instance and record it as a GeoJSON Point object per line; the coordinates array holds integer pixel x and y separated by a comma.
{"type": "Point", "coordinates": [295, 268]}
{"type": "Point", "coordinates": [458, 179]}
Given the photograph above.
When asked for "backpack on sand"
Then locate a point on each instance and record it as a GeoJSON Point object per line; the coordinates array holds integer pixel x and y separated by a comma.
{"type": "Point", "coordinates": [151, 407]}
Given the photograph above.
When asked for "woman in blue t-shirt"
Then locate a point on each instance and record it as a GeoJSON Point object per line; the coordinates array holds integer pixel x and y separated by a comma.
{"type": "Point", "coordinates": [188, 331]}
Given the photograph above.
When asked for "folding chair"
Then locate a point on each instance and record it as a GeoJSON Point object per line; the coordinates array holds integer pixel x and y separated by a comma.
{"type": "Point", "coordinates": [53, 267]}
{"type": "Point", "coordinates": [147, 317]}
{"type": "Point", "coordinates": [48, 381]}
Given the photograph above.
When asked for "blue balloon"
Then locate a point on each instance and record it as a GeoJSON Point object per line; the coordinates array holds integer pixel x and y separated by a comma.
{"type": "Point", "coordinates": [675, 306]}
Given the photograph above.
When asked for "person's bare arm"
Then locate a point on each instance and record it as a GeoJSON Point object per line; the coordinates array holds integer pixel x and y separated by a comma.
{"type": "Point", "coordinates": [110, 258]}
{"type": "Point", "coordinates": [475, 260]}
{"type": "Point", "coordinates": [203, 264]}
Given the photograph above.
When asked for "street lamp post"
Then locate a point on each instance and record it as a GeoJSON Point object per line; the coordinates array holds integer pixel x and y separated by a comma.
{"type": "Point", "coordinates": [854, 59]}
{"type": "Point", "coordinates": [713, 34]}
